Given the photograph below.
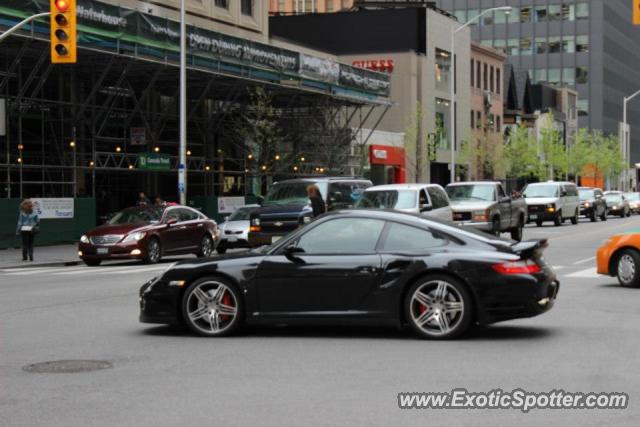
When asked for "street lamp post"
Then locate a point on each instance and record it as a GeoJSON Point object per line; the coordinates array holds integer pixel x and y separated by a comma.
{"type": "Point", "coordinates": [452, 103]}
{"type": "Point", "coordinates": [20, 160]}
{"type": "Point", "coordinates": [625, 136]}
{"type": "Point", "coordinates": [182, 161]}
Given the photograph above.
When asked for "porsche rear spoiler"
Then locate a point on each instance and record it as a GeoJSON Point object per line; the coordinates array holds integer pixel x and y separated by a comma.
{"type": "Point", "coordinates": [530, 248]}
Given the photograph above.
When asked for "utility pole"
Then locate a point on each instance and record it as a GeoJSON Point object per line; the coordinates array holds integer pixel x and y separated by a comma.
{"type": "Point", "coordinates": [182, 162]}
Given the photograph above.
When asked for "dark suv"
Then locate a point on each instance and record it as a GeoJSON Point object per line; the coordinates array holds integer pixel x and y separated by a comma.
{"type": "Point", "coordinates": [592, 203]}
{"type": "Point", "coordinates": [287, 207]}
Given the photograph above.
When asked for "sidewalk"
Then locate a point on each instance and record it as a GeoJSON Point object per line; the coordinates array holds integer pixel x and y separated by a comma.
{"type": "Point", "coordinates": [43, 256]}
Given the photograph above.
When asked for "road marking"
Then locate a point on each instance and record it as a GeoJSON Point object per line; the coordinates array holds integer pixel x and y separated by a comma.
{"type": "Point", "coordinates": [586, 260]}
{"type": "Point", "coordinates": [558, 267]}
{"type": "Point", "coordinates": [587, 273]}
{"type": "Point", "coordinates": [62, 271]}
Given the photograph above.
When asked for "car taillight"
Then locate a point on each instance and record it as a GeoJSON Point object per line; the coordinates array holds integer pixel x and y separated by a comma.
{"type": "Point", "coordinates": [255, 228]}
{"type": "Point", "coordinates": [517, 267]}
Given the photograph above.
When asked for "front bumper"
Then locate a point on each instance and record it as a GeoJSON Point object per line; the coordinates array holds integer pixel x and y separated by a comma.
{"type": "Point", "coordinates": [541, 216]}
{"type": "Point", "coordinates": [263, 238]}
{"type": "Point", "coordinates": [160, 303]}
{"type": "Point", "coordinates": [483, 226]}
{"type": "Point", "coordinates": [132, 250]}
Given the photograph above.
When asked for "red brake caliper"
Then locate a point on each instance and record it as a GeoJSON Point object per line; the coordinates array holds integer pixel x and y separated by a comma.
{"type": "Point", "coordinates": [226, 300]}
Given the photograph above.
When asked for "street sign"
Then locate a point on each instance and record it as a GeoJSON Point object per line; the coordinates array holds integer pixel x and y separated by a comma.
{"type": "Point", "coordinates": [154, 161]}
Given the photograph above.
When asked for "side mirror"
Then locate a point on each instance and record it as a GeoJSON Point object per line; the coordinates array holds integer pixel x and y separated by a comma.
{"type": "Point", "coordinates": [291, 251]}
{"type": "Point", "coordinates": [171, 221]}
{"type": "Point", "coordinates": [425, 207]}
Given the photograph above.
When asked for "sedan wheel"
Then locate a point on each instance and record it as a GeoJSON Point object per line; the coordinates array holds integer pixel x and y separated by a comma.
{"type": "Point", "coordinates": [206, 247]}
{"type": "Point", "coordinates": [211, 307]}
{"type": "Point", "coordinates": [628, 268]}
{"type": "Point", "coordinates": [574, 219]}
{"type": "Point", "coordinates": [153, 251]}
{"type": "Point", "coordinates": [438, 308]}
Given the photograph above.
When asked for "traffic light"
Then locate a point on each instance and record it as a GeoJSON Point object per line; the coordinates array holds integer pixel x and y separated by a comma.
{"type": "Point", "coordinates": [636, 12]}
{"type": "Point", "coordinates": [63, 31]}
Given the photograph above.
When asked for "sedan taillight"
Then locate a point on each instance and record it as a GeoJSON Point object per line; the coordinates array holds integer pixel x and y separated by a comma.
{"type": "Point", "coordinates": [517, 267]}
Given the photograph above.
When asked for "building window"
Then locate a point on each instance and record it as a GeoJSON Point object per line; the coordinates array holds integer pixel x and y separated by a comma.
{"type": "Point", "coordinates": [582, 75]}
{"type": "Point", "coordinates": [478, 74]}
{"type": "Point", "coordinates": [443, 69]}
{"type": "Point", "coordinates": [582, 11]}
{"type": "Point", "coordinates": [568, 44]}
{"type": "Point", "coordinates": [541, 45]}
{"type": "Point", "coordinates": [498, 81]}
{"type": "Point", "coordinates": [224, 4]}
{"type": "Point", "coordinates": [472, 72]}
{"type": "Point", "coordinates": [568, 12]}
{"type": "Point", "coordinates": [500, 44]}
{"type": "Point", "coordinates": [487, 42]}
{"type": "Point", "coordinates": [554, 45]}
{"type": "Point", "coordinates": [473, 119]}
{"type": "Point", "coordinates": [461, 16]}
{"type": "Point", "coordinates": [526, 47]}
{"type": "Point", "coordinates": [555, 12]}
{"type": "Point", "coordinates": [442, 120]}
{"type": "Point", "coordinates": [485, 75]}
{"type": "Point", "coordinates": [582, 43]}
{"type": "Point", "coordinates": [514, 16]}
{"type": "Point", "coordinates": [498, 124]}
{"type": "Point", "coordinates": [541, 13]}
{"type": "Point", "coordinates": [525, 14]}
{"type": "Point", "coordinates": [583, 107]}
{"type": "Point", "coordinates": [491, 79]}
{"type": "Point", "coordinates": [246, 7]}
{"type": "Point", "coordinates": [500, 17]}
{"type": "Point", "coordinates": [569, 76]}
{"type": "Point", "coordinates": [329, 6]}
{"type": "Point", "coordinates": [488, 19]}
{"type": "Point", "coordinates": [513, 47]}
{"type": "Point", "coordinates": [540, 75]}
{"type": "Point", "coordinates": [478, 119]}
{"type": "Point", "coordinates": [472, 13]}
{"type": "Point", "coordinates": [554, 76]}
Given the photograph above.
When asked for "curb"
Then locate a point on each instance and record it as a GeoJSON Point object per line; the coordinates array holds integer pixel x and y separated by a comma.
{"type": "Point", "coordinates": [43, 264]}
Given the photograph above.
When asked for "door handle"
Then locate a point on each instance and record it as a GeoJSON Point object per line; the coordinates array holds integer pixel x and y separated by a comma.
{"type": "Point", "coordinates": [200, 225]}
{"type": "Point", "coordinates": [398, 266]}
{"type": "Point", "coordinates": [365, 269]}
{"type": "Point", "coordinates": [182, 227]}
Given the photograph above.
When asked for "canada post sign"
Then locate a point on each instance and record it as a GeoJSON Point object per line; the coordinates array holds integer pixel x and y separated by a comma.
{"type": "Point", "coordinates": [154, 161]}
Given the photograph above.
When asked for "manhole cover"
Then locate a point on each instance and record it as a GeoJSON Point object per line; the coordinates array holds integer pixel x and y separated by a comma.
{"type": "Point", "coordinates": [67, 366]}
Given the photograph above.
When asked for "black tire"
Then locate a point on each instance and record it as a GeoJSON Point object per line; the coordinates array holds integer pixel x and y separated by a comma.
{"type": "Point", "coordinates": [92, 262]}
{"type": "Point", "coordinates": [539, 223]}
{"type": "Point", "coordinates": [202, 303]}
{"type": "Point", "coordinates": [206, 247]}
{"type": "Point", "coordinates": [593, 217]}
{"type": "Point", "coordinates": [425, 295]}
{"type": "Point", "coordinates": [574, 219]}
{"type": "Point", "coordinates": [622, 214]}
{"type": "Point", "coordinates": [516, 233]}
{"type": "Point", "coordinates": [495, 226]}
{"type": "Point", "coordinates": [603, 217]}
{"type": "Point", "coordinates": [221, 249]}
{"type": "Point", "coordinates": [154, 251]}
{"type": "Point", "coordinates": [628, 213]}
{"type": "Point", "coordinates": [628, 268]}
{"type": "Point", "coordinates": [557, 220]}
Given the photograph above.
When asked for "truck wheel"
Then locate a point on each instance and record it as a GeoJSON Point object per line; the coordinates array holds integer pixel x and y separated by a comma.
{"type": "Point", "coordinates": [574, 219]}
{"type": "Point", "coordinates": [516, 233]}
{"type": "Point", "coordinates": [603, 217]}
{"type": "Point", "coordinates": [557, 220]}
{"type": "Point", "coordinates": [593, 217]}
{"type": "Point", "coordinates": [495, 226]}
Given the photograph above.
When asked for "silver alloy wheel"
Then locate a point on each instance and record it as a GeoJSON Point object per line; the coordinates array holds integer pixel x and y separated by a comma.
{"type": "Point", "coordinates": [206, 246]}
{"type": "Point", "coordinates": [436, 307]}
{"type": "Point", "coordinates": [153, 250]}
{"type": "Point", "coordinates": [626, 268]}
{"type": "Point", "coordinates": [212, 307]}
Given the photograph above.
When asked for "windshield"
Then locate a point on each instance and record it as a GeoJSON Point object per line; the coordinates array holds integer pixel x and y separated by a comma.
{"type": "Point", "coordinates": [634, 197]}
{"type": "Point", "coordinates": [471, 192]}
{"type": "Point", "coordinates": [241, 214]}
{"type": "Point", "coordinates": [388, 199]}
{"type": "Point", "coordinates": [613, 198]}
{"type": "Point", "coordinates": [586, 195]}
{"type": "Point", "coordinates": [292, 193]}
{"type": "Point", "coordinates": [533, 191]}
{"type": "Point", "coordinates": [136, 216]}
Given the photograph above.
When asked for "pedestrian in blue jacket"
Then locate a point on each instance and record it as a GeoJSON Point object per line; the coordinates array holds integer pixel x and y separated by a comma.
{"type": "Point", "coordinates": [27, 227]}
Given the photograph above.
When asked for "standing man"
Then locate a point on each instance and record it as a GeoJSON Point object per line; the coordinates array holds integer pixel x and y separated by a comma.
{"type": "Point", "coordinates": [28, 223]}
{"type": "Point", "coordinates": [317, 204]}
{"type": "Point", "coordinates": [143, 200]}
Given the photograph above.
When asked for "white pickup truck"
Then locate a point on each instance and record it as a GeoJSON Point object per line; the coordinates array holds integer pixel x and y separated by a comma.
{"type": "Point", "coordinates": [485, 205]}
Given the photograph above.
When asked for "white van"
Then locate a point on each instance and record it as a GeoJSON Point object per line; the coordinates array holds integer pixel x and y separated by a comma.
{"type": "Point", "coordinates": [429, 200]}
{"type": "Point", "coordinates": [552, 201]}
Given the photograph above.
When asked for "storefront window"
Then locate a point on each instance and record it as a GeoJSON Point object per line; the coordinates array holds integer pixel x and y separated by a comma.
{"type": "Point", "coordinates": [554, 76]}
{"type": "Point", "coordinates": [555, 12]}
{"type": "Point", "coordinates": [554, 45]}
{"type": "Point", "coordinates": [525, 14]}
{"type": "Point", "coordinates": [526, 47]}
{"type": "Point", "coordinates": [568, 12]}
{"type": "Point", "coordinates": [582, 75]}
{"type": "Point", "coordinates": [582, 11]}
{"type": "Point", "coordinates": [513, 47]}
{"type": "Point", "coordinates": [569, 76]}
{"type": "Point", "coordinates": [540, 76]}
{"type": "Point", "coordinates": [541, 13]}
{"type": "Point", "coordinates": [443, 69]}
{"type": "Point", "coordinates": [568, 44]}
{"type": "Point", "coordinates": [582, 43]}
{"type": "Point", "coordinates": [541, 45]}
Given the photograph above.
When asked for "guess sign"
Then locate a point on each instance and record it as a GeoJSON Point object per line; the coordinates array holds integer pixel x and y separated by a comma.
{"type": "Point", "coordinates": [382, 65]}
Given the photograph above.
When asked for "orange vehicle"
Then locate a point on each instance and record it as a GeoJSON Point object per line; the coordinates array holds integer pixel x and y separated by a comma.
{"type": "Point", "coordinates": [620, 256]}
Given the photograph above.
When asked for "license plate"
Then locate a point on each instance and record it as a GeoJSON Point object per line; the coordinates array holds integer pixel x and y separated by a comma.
{"type": "Point", "coordinates": [533, 216]}
{"type": "Point", "coordinates": [232, 238]}
{"type": "Point", "coordinates": [275, 238]}
{"type": "Point", "coordinates": [103, 251]}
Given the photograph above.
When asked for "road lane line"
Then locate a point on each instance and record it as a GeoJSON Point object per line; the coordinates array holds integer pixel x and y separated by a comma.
{"type": "Point", "coordinates": [587, 273]}
{"type": "Point", "coordinates": [584, 261]}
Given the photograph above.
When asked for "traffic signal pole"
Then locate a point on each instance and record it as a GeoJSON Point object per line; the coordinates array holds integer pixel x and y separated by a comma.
{"type": "Point", "coordinates": [182, 155]}
{"type": "Point", "coordinates": [21, 23]}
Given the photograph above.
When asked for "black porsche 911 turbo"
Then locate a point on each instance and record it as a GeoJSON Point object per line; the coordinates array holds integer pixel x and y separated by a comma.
{"type": "Point", "coordinates": [359, 267]}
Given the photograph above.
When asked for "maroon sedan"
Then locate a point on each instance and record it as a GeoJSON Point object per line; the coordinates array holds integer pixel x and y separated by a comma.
{"type": "Point", "coordinates": [147, 233]}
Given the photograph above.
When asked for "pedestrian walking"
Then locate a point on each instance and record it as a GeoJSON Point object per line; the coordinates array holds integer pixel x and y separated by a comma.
{"type": "Point", "coordinates": [317, 204]}
{"type": "Point", "coordinates": [143, 200]}
{"type": "Point", "coordinates": [160, 202]}
{"type": "Point", "coordinates": [28, 223]}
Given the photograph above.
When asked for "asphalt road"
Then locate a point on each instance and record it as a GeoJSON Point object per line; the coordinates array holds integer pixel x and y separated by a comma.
{"type": "Point", "coordinates": [308, 376]}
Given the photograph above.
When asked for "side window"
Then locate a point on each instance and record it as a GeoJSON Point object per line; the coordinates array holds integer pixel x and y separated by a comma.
{"type": "Point", "coordinates": [188, 215]}
{"type": "Point", "coordinates": [172, 214]}
{"type": "Point", "coordinates": [342, 235]}
{"type": "Point", "coordinates": [424, 200]}
{"type": "Point", "coordinates": [438, 198]}
{"type": "Point", "coordinates": [501, 191]}
{"type": "Point", "coordinates": [404, 238]}
{"type": "Point", "coordinates": [574, 191]}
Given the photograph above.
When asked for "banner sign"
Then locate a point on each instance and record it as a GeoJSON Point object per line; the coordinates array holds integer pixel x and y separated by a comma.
{"type": "Point", "coordinates": [229, 204]}
{"type": "Point", "coordinates": [50, 208]}
{"type": "Point", "coordinates": [118, 29]}
{"type": "Point", "coordinates": [154, 161]}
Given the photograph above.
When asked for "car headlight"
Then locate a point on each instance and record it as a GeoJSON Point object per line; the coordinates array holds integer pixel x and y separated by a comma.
{"type": "Point", "coordinates": [306, 219]}
{"type": "Point", "coordinates": [84, 238]}
{"type": "Point", "coordinates": [134, 237]}
{"type": "Point", "coordinates": [551, 207]}
{"type": "Point", "coordinates": [587, 204]}
{"type": "Point", "coordinates": [480, 216]}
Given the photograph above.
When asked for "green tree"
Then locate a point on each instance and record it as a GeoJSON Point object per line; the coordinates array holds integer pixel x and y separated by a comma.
{"type": "Point", "coordinates": [416, 143]}
{"type": "Point", "coordinates": [521, 155]}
